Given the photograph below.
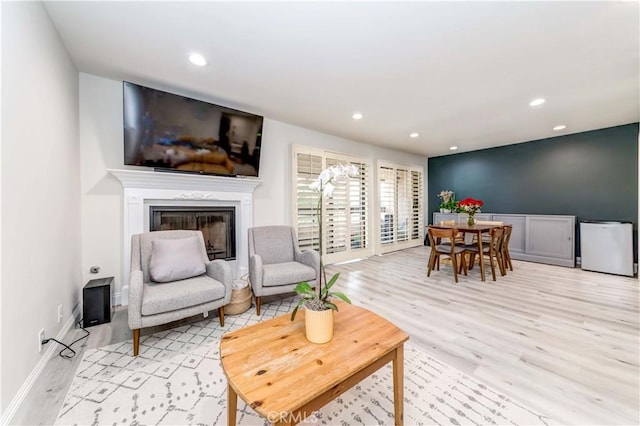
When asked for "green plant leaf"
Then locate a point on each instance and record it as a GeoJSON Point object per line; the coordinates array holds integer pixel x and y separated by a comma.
{"type": "Point", "coordinates": [332, 281]}
{"type": "Point", "coordinates": [340, 295]}
{"type": "Point", "coordinates": [295, 310]}
{"type": "Point", "coordinates": [303, 288]}
{"type": "Point", "coordinates": [332, 306]}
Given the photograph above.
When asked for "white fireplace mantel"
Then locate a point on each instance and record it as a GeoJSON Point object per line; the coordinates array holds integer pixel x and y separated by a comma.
{"type": "Point", "coordinates": [143, 179]}
{"type": "Point", "coordinates": [145, 188]}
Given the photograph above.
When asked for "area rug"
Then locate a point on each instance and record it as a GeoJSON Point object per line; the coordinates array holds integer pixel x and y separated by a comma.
{"type": "Point", "coordinates": [177, 380]}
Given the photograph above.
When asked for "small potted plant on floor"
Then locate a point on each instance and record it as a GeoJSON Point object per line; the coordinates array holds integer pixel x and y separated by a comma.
{"type": "Point", "coordinates": [318, 303]}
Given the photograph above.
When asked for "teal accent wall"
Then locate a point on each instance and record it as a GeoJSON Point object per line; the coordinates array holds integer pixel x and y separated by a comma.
{"type": "Point", "coordinates": [591, 175]}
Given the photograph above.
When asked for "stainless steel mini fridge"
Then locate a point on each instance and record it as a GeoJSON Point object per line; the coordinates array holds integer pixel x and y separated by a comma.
{"type": "Point", "coordinates": [607, 247]}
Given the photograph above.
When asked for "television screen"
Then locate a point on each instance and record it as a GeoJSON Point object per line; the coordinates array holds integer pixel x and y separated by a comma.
{"type": "Point", "coordinates": [172, 132]}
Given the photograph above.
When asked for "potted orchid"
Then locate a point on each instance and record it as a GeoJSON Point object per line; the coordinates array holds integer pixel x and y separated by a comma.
{"type": "Point", "coordinates": [318, 303]}
{"type": "Point", "coordinates": [448, 203]}
{"type": "Point", "coordinates": [471, 206]}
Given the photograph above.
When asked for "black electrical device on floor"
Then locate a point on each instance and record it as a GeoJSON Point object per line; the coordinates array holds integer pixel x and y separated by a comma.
{"type": "Point", "coordinates": [97, 296]}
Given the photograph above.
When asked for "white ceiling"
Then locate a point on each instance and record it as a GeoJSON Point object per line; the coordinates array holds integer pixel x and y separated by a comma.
{"type": "Point", "coordinates": [459, 73]}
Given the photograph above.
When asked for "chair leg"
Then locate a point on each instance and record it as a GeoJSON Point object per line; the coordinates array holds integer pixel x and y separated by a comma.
{"type": "Point", "coordinates": [432, 258]}
{"type": "Point", "coordinates": [454, 264]}
{"type": "Point", "coordinates": [258, 305]}
{"type": "Point", "coordinates": [221, 314]}
{"type": "Point", "coordinates": [501, 264]}
{"type": "Point", "coordinates": [507, 259]}
{"type": "Point", "coordinates": [463, 263]}
{"type": "Point", "coordinates": [136, 341]}
{"type": "Point", "coordinates": [493, 267]}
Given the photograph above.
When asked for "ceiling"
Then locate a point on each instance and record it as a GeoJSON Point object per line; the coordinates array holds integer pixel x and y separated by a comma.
{"type": "Point", "coordinates": [458, 73]}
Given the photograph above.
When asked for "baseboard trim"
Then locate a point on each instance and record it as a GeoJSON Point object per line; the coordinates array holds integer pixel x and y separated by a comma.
{"type": "Point", "coordinates": [11, 410]}
{"type": "Point", "coordinates": [123, 296]}
{"type": "Point", "coordinates": [117, 299]}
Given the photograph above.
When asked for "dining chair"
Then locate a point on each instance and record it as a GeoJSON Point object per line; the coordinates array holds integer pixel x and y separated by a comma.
{"type": "Point", "coordinates": [438, 249]}
{"type": "Point", "coordinates": [506, 257]}
{"type": "Point", "coordinates": [486, 237]}
{"type": "Point", "coordinates": [493, 250]}
{"type": "Point", "coordinates": [459, 238]}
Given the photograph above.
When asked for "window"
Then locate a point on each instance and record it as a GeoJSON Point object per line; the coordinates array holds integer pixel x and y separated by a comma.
{"type": "Point", "coordinates": [400, 191]}
{"type": "Point", "coordinates": [345, 213]}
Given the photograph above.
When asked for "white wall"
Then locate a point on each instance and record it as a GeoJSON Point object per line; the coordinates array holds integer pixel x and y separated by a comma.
{"type": "Point", "coordinates": [40, 188]}
{"type": "Point", "coordinates": [273, 198]}
{"type": "Point", "coordinates": [102, 148]}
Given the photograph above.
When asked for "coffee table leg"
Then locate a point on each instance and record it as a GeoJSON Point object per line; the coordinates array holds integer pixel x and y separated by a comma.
{"type": "Point", "coordinates": [398, 386]}
{"type": "Point", "coordinates": [232, 406]}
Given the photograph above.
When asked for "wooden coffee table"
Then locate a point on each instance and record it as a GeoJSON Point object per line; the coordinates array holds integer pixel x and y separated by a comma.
{"type": "Point", "coordinates": [284, 377]}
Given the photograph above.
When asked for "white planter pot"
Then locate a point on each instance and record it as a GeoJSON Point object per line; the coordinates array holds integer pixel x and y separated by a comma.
{"type": "Point", "coordinates": [318, 325]}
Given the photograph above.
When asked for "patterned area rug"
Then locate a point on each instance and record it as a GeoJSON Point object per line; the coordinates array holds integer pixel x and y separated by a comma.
{"type": "Point", "coordinates": [177, 380]}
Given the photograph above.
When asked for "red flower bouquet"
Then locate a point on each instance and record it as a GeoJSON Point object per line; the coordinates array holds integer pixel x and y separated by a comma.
{"type": "Point", "coordinates": [471, 206]}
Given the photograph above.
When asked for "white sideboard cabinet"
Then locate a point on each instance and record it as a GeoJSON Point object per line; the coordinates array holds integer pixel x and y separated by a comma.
{"type": "Point", "coordinates": [536, 238]}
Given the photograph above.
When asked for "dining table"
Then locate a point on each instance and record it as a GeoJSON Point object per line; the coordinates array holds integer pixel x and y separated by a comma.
{"type": "Point", "coordinates": [469, 231]}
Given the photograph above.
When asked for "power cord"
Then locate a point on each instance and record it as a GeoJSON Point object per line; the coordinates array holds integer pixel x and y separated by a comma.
{"type": "Point", "coordinates": [68, 347]}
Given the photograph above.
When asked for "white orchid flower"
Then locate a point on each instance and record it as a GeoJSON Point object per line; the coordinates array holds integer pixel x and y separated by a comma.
{"type": "Point", "coordinates": [325, 176]}
{"type": "Point", "coordinates": [315, 185]}
{"type": "Point", "coordinates": [328, 189]}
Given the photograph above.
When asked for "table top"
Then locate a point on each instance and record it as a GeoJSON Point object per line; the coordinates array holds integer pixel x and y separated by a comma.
{"type": "Point", "coordinates": [275, 369]}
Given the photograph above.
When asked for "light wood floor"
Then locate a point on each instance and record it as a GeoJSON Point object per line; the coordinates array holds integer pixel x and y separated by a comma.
{"type": "Point", "coordinates": [563, 341]}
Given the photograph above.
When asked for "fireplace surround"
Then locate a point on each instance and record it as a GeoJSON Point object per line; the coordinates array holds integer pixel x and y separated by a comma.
{"type": "Point", "coordinates": [146, 189]}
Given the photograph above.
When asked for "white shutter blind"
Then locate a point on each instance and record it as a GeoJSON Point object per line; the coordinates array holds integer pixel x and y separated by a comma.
{"type": "Point", "coordinates": [358, 211]}
{"type": "Point", "coordinates": [308, 167]}
{"type": "Point", "coordinates": [387, 191]}
{"type": "Point", "coordinates": [404, 204]}
{"type": "Point", "coordinates": [345, 212]}
{"type": "Point", "coordinates": [417, 216]}
{"type": "Point", "coordinates": [401, 206]}
{"type": "Point", "coordinates": [335, 215]}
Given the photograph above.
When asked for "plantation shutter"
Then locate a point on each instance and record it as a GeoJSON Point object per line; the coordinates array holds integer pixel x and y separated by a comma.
{"type": "Point", "coordinates": [335, 217]}
{"type": "Point", "coordinates": [417, 213]}
{"type": "Point", "coordinates": [308, 167]}
{"type": "Point", "coordinates": [358, 211]}
{"type": "Point", "coordinates": [345, 213]}
{"type": "Point", "coordinates": [401, 206]}
{"type": "Point", "coordinates": [387, 191]}
{"type": "Point", "coordinates": [404, 204]}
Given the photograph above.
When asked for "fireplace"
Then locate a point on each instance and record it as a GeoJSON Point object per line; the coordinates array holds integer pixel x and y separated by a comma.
{"type": "Point", "coordinates": [143, 190]}
{"type": "Point", "coordinates": [216, 223]}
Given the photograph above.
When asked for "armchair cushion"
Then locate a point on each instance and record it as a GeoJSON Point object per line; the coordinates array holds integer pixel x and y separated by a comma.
{"type": "Point", "coordinates": [175, 259]}
{"type": "Point", "coordinates": [274, 243]}
{"type": "Point", "coordinates": [286, 274]}
{"type": "Point", "coordinates": [164, 297]}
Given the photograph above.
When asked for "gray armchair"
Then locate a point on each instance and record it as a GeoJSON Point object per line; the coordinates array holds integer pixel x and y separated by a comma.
{"type": "Point", "coordinates": [276, 263]}
{"type": "Point", "coordinates": [154, 303]}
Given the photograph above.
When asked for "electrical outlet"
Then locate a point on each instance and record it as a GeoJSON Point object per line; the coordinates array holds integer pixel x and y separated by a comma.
{"type": "Point", "coordinates": [59, 313]}
{"type": "Point", "coordinates": [40, 339]}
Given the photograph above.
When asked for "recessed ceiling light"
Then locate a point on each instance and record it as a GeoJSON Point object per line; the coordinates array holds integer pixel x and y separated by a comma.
{"type": "Point", "coordinates": [197, 59]}
{"type": "Point", "coordinates": [357, 116]}
{"type": "Point", "coordinates": [414, 135]}
{"type": "Point", "coordinates": [560, 127]}
{"type": "Point", "coordinates": [453, 148]}
{"type": "Point", "coordinates": [536, 102]}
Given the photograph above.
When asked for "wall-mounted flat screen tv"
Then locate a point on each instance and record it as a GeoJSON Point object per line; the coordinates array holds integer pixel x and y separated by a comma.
{"type": "Point", "coordinates": [174, 133]}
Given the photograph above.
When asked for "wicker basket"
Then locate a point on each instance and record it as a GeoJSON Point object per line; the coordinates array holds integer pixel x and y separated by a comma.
{"type": "Point", "coordinates": [240, 301]}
